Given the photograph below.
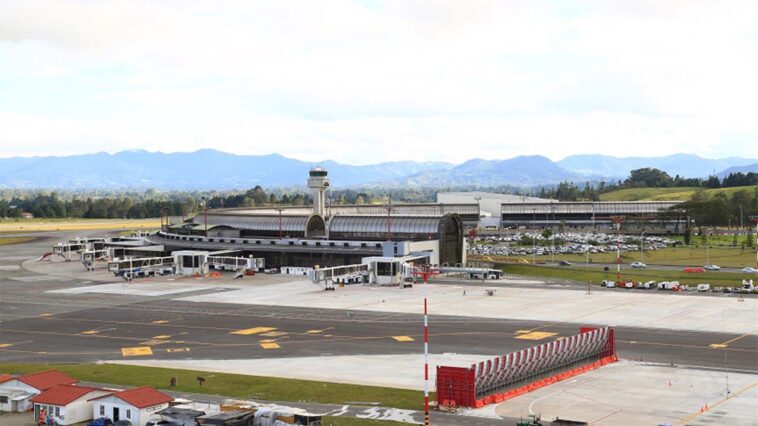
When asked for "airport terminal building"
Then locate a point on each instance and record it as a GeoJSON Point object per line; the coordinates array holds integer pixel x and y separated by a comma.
{"type": "Point", "coordinates": [435, 233]}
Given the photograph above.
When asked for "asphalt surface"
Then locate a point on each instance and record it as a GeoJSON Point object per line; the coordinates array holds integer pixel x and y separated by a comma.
{"type": "Point", "coordinates": [36, 326]}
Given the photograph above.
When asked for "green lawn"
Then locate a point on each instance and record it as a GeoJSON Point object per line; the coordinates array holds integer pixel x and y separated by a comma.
{"type": "Point", "coordinates": [733, 257]}
{"type": "Point", "coordinates": [14, 240]}
{"type": "Point", "coordinates": [596, 275]}
{"type": "Point", "coordinates": [232, 385]}
{"type": "Point", "coordinates": [665, 194]}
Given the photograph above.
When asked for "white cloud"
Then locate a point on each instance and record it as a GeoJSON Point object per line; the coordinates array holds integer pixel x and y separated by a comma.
{"type": "Point", "coordinates": [440, 80]}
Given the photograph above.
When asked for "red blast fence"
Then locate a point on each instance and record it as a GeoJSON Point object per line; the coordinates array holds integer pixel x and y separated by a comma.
{"type": "Point", "coordinates": [520, 372]}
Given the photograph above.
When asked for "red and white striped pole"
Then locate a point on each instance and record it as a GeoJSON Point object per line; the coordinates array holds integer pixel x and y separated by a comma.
{"type": "Point", "coordinates": [426, 356]}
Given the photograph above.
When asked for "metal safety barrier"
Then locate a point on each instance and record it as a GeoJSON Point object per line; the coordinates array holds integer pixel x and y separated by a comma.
{"type": "Point", "coordinates": [519, 372]}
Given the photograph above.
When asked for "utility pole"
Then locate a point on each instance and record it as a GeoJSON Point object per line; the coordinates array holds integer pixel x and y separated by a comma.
{"type": "Point", "coordinates": [205, 207]}
{"type": "Point", "coordinates": [707, 248]}
{"type": "Point", "coordinates": [280, 222]}
{"type": "Point", "coordinates": [389, 218]}
{"type": "Point", "coordinates": [642, 251]}
{"type": "Point", "coordinates": [425, 271]}
{"type": "Point", "coordinates": [617, 221]}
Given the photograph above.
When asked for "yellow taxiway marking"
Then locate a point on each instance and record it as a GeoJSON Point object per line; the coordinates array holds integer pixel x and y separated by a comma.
{"type": "Point", "coordinates": [6, 345]}
{"type": "Point", "coordinates": [178, 349]}
{"type": "Point", "coordinates": [269, 345]}
{"type": "Point", "coordinates": [45, 315]}
{"type": "Point", "coordinates": [89, 332]}
{"type": "Point", "coordinates": [725, 344]}
{"type": "Point", "coordinates": [255, 330]}
{"type": "Point", "coordinates": [137, 351]}
{"type": "Point", "coordinates": [403, 338]}
{"type": "Point", "coordinates": [688, 419]}
{"type": "Point", "coordinates": [274, 333]}
{"type": "Point", "coordinates": [536, 335]}
{"type": "Point", "coordinates": [160, 321]}
{"type": "Point", "coordinates": [162, 336]}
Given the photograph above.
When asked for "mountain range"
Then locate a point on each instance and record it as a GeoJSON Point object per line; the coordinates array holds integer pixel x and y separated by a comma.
{"type": "Point", "coordinates": [211, 169]}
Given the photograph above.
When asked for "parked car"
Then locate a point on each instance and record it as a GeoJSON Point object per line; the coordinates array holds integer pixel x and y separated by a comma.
{"type": "Point", "coordinates": [638, 265]}
{"type": "Point", "coordinates": [712, 268]}
{"type": "Point", "coordinates": [102, 421]}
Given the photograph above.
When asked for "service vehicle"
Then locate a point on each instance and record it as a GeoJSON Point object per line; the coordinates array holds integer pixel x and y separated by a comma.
{"type": "Point", "coordinates": [703, 287]}
{"type": "Point", "coordinates": [712, 268]}
{"type": "Point", "coordinates": [608, 283]}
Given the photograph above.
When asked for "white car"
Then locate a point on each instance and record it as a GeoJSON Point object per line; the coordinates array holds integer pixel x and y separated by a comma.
{"type": "Point", "coordinates": [712, 268]}
{"type": "Point", "coordinates": [638, 265]}
{"type": "Point", "coordinates": [749, 270]}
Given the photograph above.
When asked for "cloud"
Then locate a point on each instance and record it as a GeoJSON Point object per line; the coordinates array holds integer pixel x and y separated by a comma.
{"type": "Point", "coordinates": [367, 82]}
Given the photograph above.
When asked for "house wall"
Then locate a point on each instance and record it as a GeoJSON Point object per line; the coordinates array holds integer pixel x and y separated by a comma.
{"type": "Point", "coordinates": [13, 388]}
{"type": "Point", "coordinates": [137, 417]}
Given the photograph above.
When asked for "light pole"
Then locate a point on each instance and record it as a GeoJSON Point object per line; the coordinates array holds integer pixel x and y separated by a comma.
{"type": "Point", "coordinates": [617, 221]}
{"type": "Point", "coordinates": [479, 207]}
{"type": "Point", "coordinates": [642, 237]}
{"type": "Point", "coordinates": [707, 248]}
{"type": "Point", "coordinates": [280, 222]}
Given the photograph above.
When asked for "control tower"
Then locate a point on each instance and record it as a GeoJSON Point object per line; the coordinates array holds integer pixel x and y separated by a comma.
{"type": "Point", "coordinates": [318, 182]}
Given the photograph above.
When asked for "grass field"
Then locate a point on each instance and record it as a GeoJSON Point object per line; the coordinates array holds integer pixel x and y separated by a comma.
{"type": "Point", "coordinates": [596, 275]}
{"type": "Point", "coordinates": [730, 257]}
{"type": "Point", "coordinates": [231, 385]}
{"type": "Point", "coordinates": [14, 240]}
{"type": "Point", "coordinates": [41, 225]}
{"type": "Point", "coordinates": [665, 194]}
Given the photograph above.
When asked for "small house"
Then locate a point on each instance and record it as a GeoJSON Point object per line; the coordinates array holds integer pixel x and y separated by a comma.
{"type": "Point", "coordinates": [65, 404]}
{"type": "Point", "coordinates": [135, 405]}
{"type": "Point", "coordinates": [16, 391]}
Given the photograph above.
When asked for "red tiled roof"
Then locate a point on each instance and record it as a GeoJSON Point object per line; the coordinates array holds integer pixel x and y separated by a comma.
{"type": "Point", "coordinates": [5, 377]}
{"type": "Point", "coordinates": [46, 379]}
{"type": "Point", "coordinates": [142, 397]}
{"type": "Point", "coordinates": [62, 394]}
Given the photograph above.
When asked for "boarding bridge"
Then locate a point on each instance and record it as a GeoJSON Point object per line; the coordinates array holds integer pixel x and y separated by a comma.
{"type": "Point", "coordinates": [473, 273]}
{"type": "Point", "coordinates": [89, 257]}
{"type": "Point", "coordinates": [228, 263]}
{"type": "Point", "coordinates": [77, 245]}
{"type": "Point", "coordinates": [336, 273]}
{"type": "Point", "coordinates": [141, 267]}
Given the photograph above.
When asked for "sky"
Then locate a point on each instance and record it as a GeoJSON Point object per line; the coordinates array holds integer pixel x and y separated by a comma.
{"type": "Point", "coordinates": [369, 81]}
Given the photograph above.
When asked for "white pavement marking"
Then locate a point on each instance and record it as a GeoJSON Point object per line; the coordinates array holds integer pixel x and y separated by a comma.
{"type": "Point", "coordinates": [10, 268]}
{"type": "Point", "coordinates": [35, 278]}
{"type": "Point", "coordinates": [395, 414]}
{"type": "Point", "coordinates": [135, 289]}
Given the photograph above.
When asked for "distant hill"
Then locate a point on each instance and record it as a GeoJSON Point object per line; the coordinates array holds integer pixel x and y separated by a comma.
{"type": "Point", "coordinates": [665, 194]}
{"type": "Point", "coordinates": [203, 169]}
{"type": "Point", "coordinates": [685, 165]}
{"type": "Point", "coordinates": [518, 171]}
{"type": "Point", "coordinates": [739, 169]}
{"type": "Point", "coordinates": [211, 169]}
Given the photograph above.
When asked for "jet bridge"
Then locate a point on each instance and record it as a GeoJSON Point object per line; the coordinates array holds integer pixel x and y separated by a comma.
{"type": "Point", "coordinates": [142, 267]}
{"type": "Point", "coordinates": [337, 273]}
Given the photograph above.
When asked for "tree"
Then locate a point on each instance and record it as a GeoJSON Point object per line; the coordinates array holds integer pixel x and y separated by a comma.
{"type": "Point", "coordinates": [648, 178]}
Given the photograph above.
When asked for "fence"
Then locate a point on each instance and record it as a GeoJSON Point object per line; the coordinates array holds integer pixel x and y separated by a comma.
{"type": "Point", "coordinates": [520, 372]}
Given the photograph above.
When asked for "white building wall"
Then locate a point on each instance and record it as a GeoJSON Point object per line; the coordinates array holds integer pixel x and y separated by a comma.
{"type": "Point", "coordinates": [432, 246]}
{"type": "Point", "coordinates": [13, 388]}
{"type": "Point", "coordinates": [138, 417]}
